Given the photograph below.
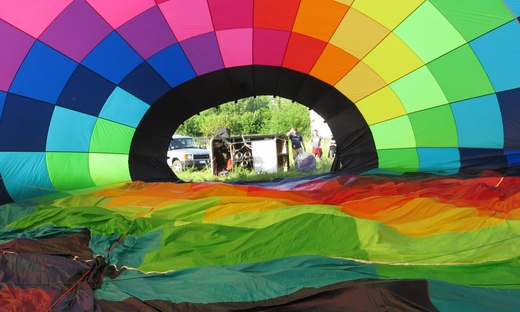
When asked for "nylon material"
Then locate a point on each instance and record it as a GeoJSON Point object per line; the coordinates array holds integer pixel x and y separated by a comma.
{"type": "Point", "coordinates": [328, 69]}
{"type": "Point", "coordinates": [360, 82]}
{"type": "Point", "coordinates": [441, 160]}
{"type": "Point", "coordinates": [358, 34]}
{"type": "Point", "coordinates": [426, 41]}
{"type": "Point", "coordinates": [117, 164]}
{"type": "Point", "coordinates": [273, 14]}
{"type": "Point", "coordinates": [69, 131]}
{"type": "Point", "coordinates": [488, 132]}
{"type": "Point", "coordinates": [302, 62]}
{"type": "Point", "coordinates": [393, 107]}
{"type": "Point", "coordinates": [13, 55]}
{"type": "Point", "coordinates": [398, 160]}
{"type": "Point", "coordinates": [68, 35]}
{"type": "Point", "coordinates": [119, 101]}
{"type": "Point", "coordinates": [441, 120]}
{"type": "Point", "coordinates": [474, 18]}
{"type": "Point", "coordinates": [388, 14]}
{"type": "Point", "coordinates": [27, 169]}
{"type": "Point", "coordinates": [69, 171]}
{"type": "Point", "coordinates": [489, 55]}
{"type": "Point", "coordinates": [401, 127]}
{"type": "Point", "coordinates": [317, 23]}
{"type": "Point", "coordinates": [392, 59]}
{"type": "Point", "coordinates": [431, 94]}
{"type": "Point", "coordinates": [264, 53]}
{"type": "Point", "coordinates": [34, 18]}
{"type": "Point", "coordinates": [203, 53]}
{"type": "Point", "coordinates": [187, 18]}
{"type": "Point", "coordinates": [111, 137]}
{"type": "Point", "coordinates": [172, 64]}
{"type": "Point", "coordinates": [234, 51]}
{"type": "Point", "coordinates": [112, 13]}
{"type": "Point", "coordinates": [113, 58]}
{"type": "Point", "coordinates": [231, 14]}
{"type": "Point", "coordinates": [460, 75]}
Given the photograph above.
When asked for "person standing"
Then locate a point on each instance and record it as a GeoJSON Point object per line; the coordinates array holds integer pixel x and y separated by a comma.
{"type": "Point", "coordinates": [296, 140]}
{"type": "Point", "coordinates": [332, 147]}
{"type": "Point", "coordinates": [316, 144]}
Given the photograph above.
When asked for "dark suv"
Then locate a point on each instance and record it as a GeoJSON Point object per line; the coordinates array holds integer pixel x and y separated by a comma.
{"type": "Point", "coordinates": [184, 153]}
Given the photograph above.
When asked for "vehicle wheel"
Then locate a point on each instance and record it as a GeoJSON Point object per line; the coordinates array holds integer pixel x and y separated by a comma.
{"type": "Point", "coordinates": [177, 166]}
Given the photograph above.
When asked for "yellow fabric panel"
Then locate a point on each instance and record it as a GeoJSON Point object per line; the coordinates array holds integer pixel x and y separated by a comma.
{"type": "Point", "coordinates": [333, 64]}
{"type": "Point", "coordinates": [347, 2]}
{"type": "Point", "coordinates": [392, 59]}
{"type": "Point", "coordinates": [358, 34]}
{"type": "Point", "coordinates": [388, 13]}
{"type": "Point", "coordinates": [381, 106]}
{"type": "Point", "coordinates": [319, 18]}
{"type": "Point", "coordinates": [360, 82]}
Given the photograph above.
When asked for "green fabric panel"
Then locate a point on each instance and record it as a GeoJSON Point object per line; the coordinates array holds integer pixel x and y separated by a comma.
{"type": "Point", "coordinates": [435, 127]}
{"type": "Point", "coordinates": [402, 159]}
{"type": "Point", "coordinates": [69, 171]}
{"type": "Point", "coordinates": [473, 18]}
{"type": "Point", "coordinates": [461, 75]}
{"type": "Point", "coordinates": [238, 283]}
{"type": "Point", "coordinates": [428, 33]}
{"type": "Point", "coordinates": [111, 137]}
{"type": "Point", "coordinates": [419, 90]}
{"type": "Point", "coordinates": [194, 245]}
{"type": "Point", "coordinates": [450, 248]}
{"type": "Point", "coordinates": [116, 164]}
{"type": "Point", "coordinates": [189, 211]}
{"type": "Point", "coordinates": [393, 133]}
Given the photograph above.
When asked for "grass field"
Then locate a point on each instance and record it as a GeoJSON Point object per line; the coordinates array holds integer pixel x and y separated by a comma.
{"type": "Point", "coordinates": [323, 165]}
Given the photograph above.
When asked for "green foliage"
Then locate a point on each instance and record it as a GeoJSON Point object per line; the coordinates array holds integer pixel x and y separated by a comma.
{"type": "Point", "coordinates": [253, 115]}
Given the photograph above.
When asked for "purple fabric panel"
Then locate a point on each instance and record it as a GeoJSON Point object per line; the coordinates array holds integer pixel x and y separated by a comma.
{"type": "Point", "coordinates": [68, 33]}
{"type": "Point", "coordinates": [14, 45]}
{"type": "Point", "coordinates": [148, 33]}
{"type": "Point", "coordinates": [203, 53]}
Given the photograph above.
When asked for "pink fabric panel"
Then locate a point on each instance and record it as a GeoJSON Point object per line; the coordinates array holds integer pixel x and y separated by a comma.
{"type": "Point", "coordinates": [230, 14]}
{"type": "Point", "coordinates": [269, 46]}
{"type": "Point", "coordinates": [112, 13]}
{"type": "Point", "coordinates": [35, 15]}
{"type": "Point", "coordinates": [187, 18]}
{"type": "Point", "coordinates": [236, 46]}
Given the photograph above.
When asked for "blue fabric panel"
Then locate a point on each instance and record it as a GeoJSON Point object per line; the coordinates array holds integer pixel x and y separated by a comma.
{"type": "Point", "coordinates": [510, 108]}
{"type": "Point", "coordinates": [145, 83]}
{"type": "Point", "coordinates": [27, 169]}
{"type": "Point", "coordinates": [3, 95]}
{"type": "Point", "coordinates": [172, 64]}
{"type": "Point", "coordinates": [70, 131]}
{"type": "Point", "coordinates": [86, 92]}
{"type": "Point", "coordinates": [479, 122]}
{"type": "Point", "coordinates": [501, 64]}
{"type": "Point", "coordinates": [43, 74]}
{"type": "Point", "coordinates": [439, 160]}
{"type": "Point", "coordinates": [514, 6]}
{"type": "Point", "coordinates": [113, 58]}
{"type": "Point", "coordinates": [122, 101]}
{"type": "Point", "coordinates": [477, 160]}
{"type": "Point", "coordinates": [24, 124]}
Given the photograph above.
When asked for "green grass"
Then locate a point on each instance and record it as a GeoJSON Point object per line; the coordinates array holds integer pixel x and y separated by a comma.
{"type": "Point", "coordinates": [323, 165]}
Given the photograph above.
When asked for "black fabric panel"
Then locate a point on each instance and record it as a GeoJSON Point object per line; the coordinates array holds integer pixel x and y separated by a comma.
{"type": "Point", "coordinates": [218, 86]}
{"type": "Point", "coordinates": [312, 91]}
{"type": "Point", "coordinates": [150, 143]}
{"type": "Point", "coordinates": [266, 79]}
{"type": "Point", "coordinates": [289, 83]}
{"type": "Point", "coordinates": [358, 295]}
{"type": "Point", "coordinates": [4, 195]}
{"type": "Point", "coordinates": [242, 81]}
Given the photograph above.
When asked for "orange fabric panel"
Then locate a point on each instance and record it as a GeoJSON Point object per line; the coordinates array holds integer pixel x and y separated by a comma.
{"type": "Point", "coordinates": [318, 18]}
{"type": "Point", "coordinates": [333, 64]}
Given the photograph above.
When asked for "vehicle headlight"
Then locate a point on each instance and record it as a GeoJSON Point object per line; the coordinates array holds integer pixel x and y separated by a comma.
{"type": "Point", "coordinates": [188, 157]}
